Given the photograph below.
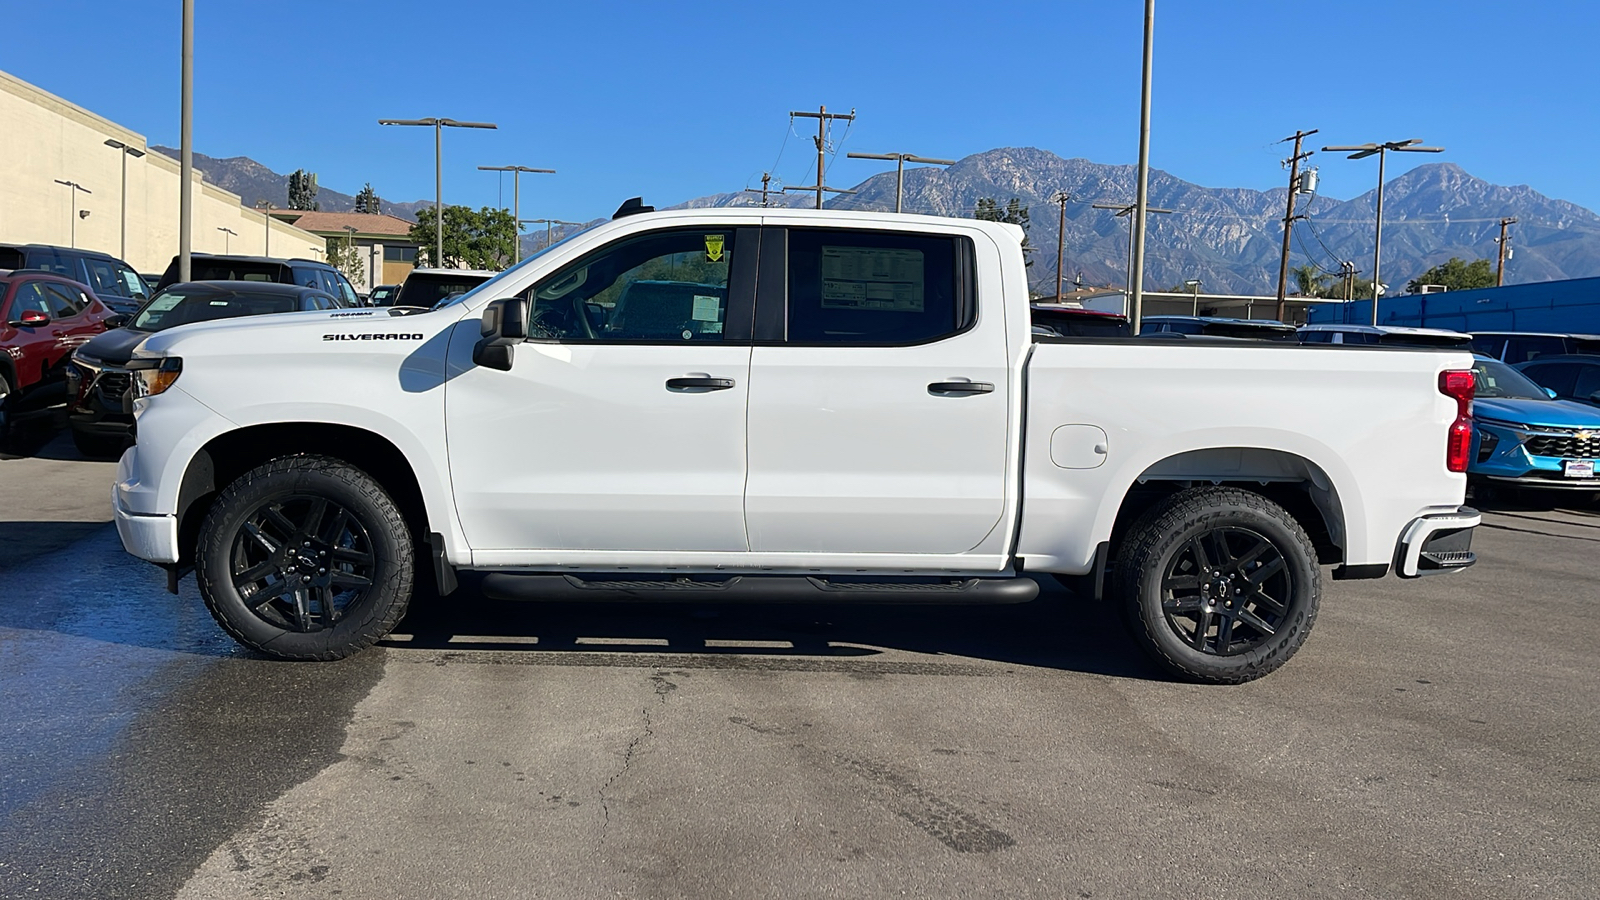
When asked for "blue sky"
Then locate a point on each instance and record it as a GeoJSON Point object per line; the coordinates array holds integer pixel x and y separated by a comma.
{"type": "Point", "coordinates": [677, 100]}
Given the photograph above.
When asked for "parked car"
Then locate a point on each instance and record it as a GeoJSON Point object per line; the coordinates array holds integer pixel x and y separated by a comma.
{"type": "Point", "coordinates": [869, 423]}
{"type": "Point", "coordinates": [304, 272]}
{"type": "Point", "coordinates": [1389, 335]}
{"type": "Point", "coordinates": [383, 295]}
{"type": "Point", "coordinates": [1217, 326]}
{"type": "Point", "coordinates": [43, 318]}
{"type": "Point", "coordinates": [1574, 377]}
{"type": "Point", "coordinates": [112, 281]}
{"type": "Point", "coordinates": [426, 288]}
{"type": "Point", "coordinates": [1074, 321]}
{"type": "Point", "coordinates": [1524, 437]}
{"type": "Point", "coordinates": [99, 377]}
{"type": "Point", "coordinates": [1517, 347]}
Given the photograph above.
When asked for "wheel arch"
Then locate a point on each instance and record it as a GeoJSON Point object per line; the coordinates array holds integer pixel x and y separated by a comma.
{"type": "Point", "coordinates": [1298, 484]}
{"type": "Point", "coordinates": [231, 454]}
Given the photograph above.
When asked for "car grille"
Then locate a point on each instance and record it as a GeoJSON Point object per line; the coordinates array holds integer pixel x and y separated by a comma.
{"type": "Point", "coordinates": [1564, 443]}
{"type": "Point", "coordinates": [112, 385]}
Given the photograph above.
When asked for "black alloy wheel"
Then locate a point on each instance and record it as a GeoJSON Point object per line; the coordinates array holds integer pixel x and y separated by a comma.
{"type": "Point", "coordinates": [300, 562]}
{"type": "Point", "coordinates": [1226, 591]}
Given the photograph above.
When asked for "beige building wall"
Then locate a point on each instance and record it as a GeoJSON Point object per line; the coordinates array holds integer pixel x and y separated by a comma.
{"type": "Point", "coordinates": [46, 138]}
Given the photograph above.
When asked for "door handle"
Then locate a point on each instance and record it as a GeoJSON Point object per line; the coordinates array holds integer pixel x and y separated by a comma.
{"type": "Point", "coordinates": [959, 388]}
{"type": "Point", "coordinates": [698, 384]}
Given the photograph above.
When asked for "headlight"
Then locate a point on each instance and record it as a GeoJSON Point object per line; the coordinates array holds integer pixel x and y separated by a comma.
{"type": "Point", "coordinates": [154, 376]}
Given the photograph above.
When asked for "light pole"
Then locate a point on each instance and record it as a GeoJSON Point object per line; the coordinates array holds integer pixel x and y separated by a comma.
{"type": "Point", "coordinates": [1142, 188]}
{"type": "Point", "coordinates": [127, 151]}
{"type": "Point", "coordinates": [266, 226]}
{"type": "Point", "coordinates": [76, 187]}
{"type": "Point", "coordinates": [1362, 151]}
{"type": "Point", "coordinates": [516, 202]}
{"type": "Point", "coordinates": [227, 235]}
{"type": "Point", "coordinates": [186, 144]}
{"type": "Point", "coordinates": [900, 160]}
{"type": "Point", "coordinates": [1128, 209]}
{"type": "Point", "coordinates": [438, 171]}
{"type": "Point", "coordinates": [1194, 285]}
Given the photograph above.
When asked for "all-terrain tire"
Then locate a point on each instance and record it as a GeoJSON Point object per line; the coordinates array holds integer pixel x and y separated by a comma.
{"type": "Point", "coordinates": [1158, 558]}
{"type": "Point", "coordinates": [301, 481]}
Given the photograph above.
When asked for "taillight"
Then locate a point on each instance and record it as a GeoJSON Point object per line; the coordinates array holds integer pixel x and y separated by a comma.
{"type": "Point", "coordinates": [1458, 384]}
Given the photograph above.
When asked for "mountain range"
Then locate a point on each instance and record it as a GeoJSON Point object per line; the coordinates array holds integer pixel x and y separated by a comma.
{"type": "Point", "coordinates": [1229, 239]}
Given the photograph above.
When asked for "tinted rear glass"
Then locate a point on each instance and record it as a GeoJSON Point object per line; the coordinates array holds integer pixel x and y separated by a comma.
{"type": "Point", "coordinates": [228, 270]}
{"type": "Point", "coordinates": [427, 288]}
{"type": "Point", "coordinates": [170, 309]}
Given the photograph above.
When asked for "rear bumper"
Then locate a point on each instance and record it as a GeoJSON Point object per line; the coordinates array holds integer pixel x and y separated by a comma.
{"type": "Point", "coordinates": [1437, 543]}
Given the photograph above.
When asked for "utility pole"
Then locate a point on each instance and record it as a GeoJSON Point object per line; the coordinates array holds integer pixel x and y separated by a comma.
{"type": "Point", "coordinates": [1293, 162]}
{"type": "Point", "coordinates": [900, 160]}
{"type": "Point", "coordinates": [1062, 198]}
{"type": "Point", "coordinates": [516, 202]}
{"type": "Point", "coordinates": [1362, 151]}
{"type": "Point", "coordinates": [1141, 199]}
{"type": "Point", "coordinates": [1500, 268]}
{"type": "Point", "coordinates": [1127, 209]}
{"type": "Point", "coordinates": [766, 186]}
{"type": "Point", "coordinates": [823, 117]}
{"type": "Point", "coordinates": [547, 223]}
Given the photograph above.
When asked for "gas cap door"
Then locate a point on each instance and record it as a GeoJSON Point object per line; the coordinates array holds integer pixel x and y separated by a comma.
{"type": "Point", "coordinates": [1078, 446]}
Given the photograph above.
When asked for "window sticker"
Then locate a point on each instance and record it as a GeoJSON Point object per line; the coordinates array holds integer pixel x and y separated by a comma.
{"type": "Point", "coordinates": [714, 247]}
{"type": "Point", "coordinates": [165, 302]}
{"type": "Point", "coordinates": [706, 309]}
{"type": "Point", "coordinates": [711, 328]}
{"type": "Point", "coordinates": [872, 279]}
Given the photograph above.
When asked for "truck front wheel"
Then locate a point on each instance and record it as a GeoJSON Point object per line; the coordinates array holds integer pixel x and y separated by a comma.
{"type": "Point", "coordinates": [1220, 585]}
{"type": "Point", "coordinates": [305, 558]}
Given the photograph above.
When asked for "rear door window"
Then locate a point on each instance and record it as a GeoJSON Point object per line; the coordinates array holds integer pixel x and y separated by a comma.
{"type": "Point", "coordinates": [875, 288]}
{"type": "Point", "coordinates": [49, 260]}
{"type": "Point", "coordinates": [1523, 349]}
{"type": "Point", "coordinates": [64, 302]}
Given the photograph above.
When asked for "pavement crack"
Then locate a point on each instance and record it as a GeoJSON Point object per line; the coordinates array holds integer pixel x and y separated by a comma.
{"type": "Point", "coordinates": [662, 686]}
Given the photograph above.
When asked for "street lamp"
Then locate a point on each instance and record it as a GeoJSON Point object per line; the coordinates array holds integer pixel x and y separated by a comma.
{"type": "Point", "coordinates": [127, 151]}
{"type": "Point", "coordinates": [900, 160]}
{"type": "Point", "coordinates": [516, 202]}
{"type": "Point", "coordinates": [266, 208]}
{"type": "Point", "coordinates": [227, 235]}
{"type": "Point", "coordinates": [1193, 284]}
{"type": "Point", "coordinates": [438, 171]}
{"type": "Point", "coordinates": [1128, 209]}
{"type": "Point", "coordinates": [76, 187]}
{"type": "Point", "coordinates": [1362, 151]}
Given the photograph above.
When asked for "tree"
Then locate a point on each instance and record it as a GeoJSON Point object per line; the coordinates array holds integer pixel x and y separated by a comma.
{"type": "Point", "coordinates": [1456, 275]}
{"type": "Point", "coordinates": [303, 190]}
{"type": "Point", "coordinates": [346, 257]}
{"type": "Point", "coordinates": [1014, 213]}
{"type": "Point", "coordinates": [367, 201]}
{"type": "Point", "coordinates": [479, 239]}
{"type": "Point", "coordinates": [1309, 281]}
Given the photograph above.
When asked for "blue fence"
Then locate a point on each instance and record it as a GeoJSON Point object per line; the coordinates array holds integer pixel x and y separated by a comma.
{"type": "Point", "coordinates": [1571, 306]}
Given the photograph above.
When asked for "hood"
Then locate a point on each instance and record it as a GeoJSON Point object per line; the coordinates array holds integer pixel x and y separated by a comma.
{"type": "Point", "coordinates": [1539, 413]}
{"type": "Point", "coordinates": [114, 347]}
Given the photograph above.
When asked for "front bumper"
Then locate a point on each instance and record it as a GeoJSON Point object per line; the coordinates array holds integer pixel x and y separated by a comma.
{"type": "Point", "coordinates": [151, 537]}
{"type": "Point", "coordinates": [1437, 543]}
{"type": "Point", "coordinates": [1510, 455]}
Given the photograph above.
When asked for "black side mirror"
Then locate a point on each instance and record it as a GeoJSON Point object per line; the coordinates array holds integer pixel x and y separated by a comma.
{"type": "Point", "coordinates": [1595, 398]}
{"type": "Point", "coordinates": [116, 321]}
{"type": "Point", "coordinates": [505, 324]}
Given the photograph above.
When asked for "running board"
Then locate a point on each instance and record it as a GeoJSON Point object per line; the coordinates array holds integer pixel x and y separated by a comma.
{"type": "Point", "coordinates": [758, 589]}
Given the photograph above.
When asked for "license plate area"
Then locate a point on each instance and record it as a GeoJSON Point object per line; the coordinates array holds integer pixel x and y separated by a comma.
{"type": "Point", "coordinates": [1578, 468]}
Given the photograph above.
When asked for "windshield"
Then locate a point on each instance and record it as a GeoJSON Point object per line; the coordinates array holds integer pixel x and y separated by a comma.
{"type": "Point", "coordinates": [1498, 381]}
{"type": "Point", "coordinates": [170, 309]}
{"type": "Point", "coordinates": [451, 301]}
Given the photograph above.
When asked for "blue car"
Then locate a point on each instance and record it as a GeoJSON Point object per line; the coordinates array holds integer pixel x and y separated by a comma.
{"type": "Point", "coordinates": [1524, 437]}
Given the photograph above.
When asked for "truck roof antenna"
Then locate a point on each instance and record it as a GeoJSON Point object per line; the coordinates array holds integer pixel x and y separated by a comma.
{"type": "Point", "coordinates": [632, 206]}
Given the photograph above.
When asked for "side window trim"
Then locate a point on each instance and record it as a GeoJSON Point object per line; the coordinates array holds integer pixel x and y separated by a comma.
{"type": "Point", "coordinates": [772, 287]}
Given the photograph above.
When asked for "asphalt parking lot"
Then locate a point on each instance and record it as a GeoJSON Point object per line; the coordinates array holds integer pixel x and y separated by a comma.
{"type": "Point", "coordinates": [1435, 738]}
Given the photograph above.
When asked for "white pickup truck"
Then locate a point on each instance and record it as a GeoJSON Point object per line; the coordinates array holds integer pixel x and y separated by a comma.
{"type": "Point", "coordinates": [763, 404]}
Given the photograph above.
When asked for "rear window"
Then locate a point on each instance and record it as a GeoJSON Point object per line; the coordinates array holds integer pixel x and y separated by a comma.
{"type": "Point", "coordinates": [1081, 324]}
{"type": "Point", "coordinates": [428, 288]}
{"type": "Point", "coordinates": [170, 309]}
{"type": "Point", "coordinates": [219, 270]}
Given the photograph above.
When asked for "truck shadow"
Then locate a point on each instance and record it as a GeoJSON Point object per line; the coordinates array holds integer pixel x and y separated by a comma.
{"type": "Point", "coordinates": [1057, 631]}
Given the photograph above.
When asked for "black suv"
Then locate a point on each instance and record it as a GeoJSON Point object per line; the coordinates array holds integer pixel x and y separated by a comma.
{"type": "Point", "coordinates": [303, 272]}
{"type": "Point", "coordinates": [113, 281]}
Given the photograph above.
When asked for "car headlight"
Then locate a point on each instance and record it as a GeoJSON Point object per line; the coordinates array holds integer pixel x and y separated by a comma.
{"type": "Point", "coordinates": [154, 376]}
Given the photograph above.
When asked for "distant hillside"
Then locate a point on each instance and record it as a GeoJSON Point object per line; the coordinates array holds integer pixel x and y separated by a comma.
{"type": "Point", "coordinates": [253, 182]}
{"type": "Point", "coordinates": [1231, 238]}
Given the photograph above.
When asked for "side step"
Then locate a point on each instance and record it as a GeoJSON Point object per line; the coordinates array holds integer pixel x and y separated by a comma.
{"type": "Point", "coordinates": [758, 589]}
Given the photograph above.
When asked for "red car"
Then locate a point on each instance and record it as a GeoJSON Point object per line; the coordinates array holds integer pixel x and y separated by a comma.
{"type": "Point", "coordinates": [43, 318]}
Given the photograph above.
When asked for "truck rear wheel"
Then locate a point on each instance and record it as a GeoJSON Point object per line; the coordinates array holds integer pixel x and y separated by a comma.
{"type": "Point", "coordinates": [305, 558]}
{"type": "Point", "coordinates": [1220, 585]}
